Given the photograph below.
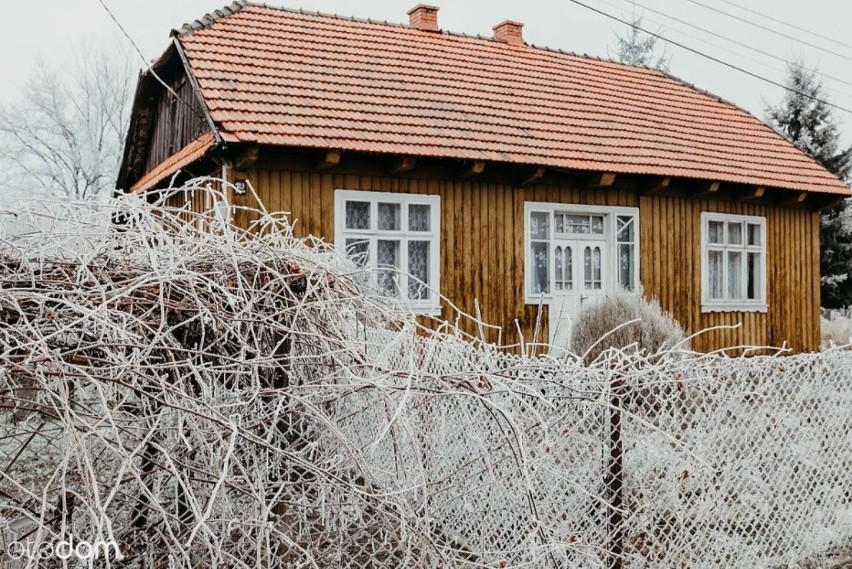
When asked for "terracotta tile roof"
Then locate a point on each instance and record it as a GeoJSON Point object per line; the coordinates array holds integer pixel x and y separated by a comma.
{"type": "Point", "coordinates": [183, 157]}
{"type": "Point", "coordinates": [282, 77]}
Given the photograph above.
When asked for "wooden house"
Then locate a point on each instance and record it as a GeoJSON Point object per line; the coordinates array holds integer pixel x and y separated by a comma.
{"type": "Point", "coordinates": [490, 169]}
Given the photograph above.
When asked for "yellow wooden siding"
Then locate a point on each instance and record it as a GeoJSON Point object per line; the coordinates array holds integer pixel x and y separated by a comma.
{"type": "Point", "coordinates": [482, 252]}
{"type": "Point", "coordinates": [671, 271]}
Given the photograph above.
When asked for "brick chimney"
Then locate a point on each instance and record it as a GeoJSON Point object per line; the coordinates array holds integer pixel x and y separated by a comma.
{"type": "Point", "coordinates": [424, 17]}
{"type": "Point", "coordinates": [509, 32]}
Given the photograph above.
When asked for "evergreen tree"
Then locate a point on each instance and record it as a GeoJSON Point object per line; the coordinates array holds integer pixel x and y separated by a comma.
{"type": "Point", "coordinates": [639, 48]}
{"type": "Point", "coordinates": [807, 121]}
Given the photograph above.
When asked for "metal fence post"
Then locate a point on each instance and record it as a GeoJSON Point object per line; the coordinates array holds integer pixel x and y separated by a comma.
{"type": "Point", "coordinates": [615, 477]}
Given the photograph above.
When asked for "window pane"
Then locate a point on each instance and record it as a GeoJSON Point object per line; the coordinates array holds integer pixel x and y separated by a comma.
{"type": "Point", "coordinates": [358, 250]}
{"type": "Point", "coordinates": [735, 275]}
{"type": "Point", "coordinates": [559, 221]}
{"type": "Point", "coordinates": [714, 277]}
{"type": "Point", "coordinates": [539, 225]}
{"type": "Point", "coordinates": [569, 268]}
{"type": "Point", "coordinates": [418, 217]}
{"type": "Point", "coordinates": [389, 216]}
{"type": "Point", "coordinates": [540, 265]}
{"type": "Point", "coordinates": [577, 224]}
{"type": "Point", "coordinates": [735, 233]}
{"type": "Point", "coordinates": [753, 276]}
{"type": "Point", "coordinates": [625, 229]}
{"type": "Point", "coordinates": [387, 256]}
{"type": "Point", "coordinates": [753, 234]}
{"type": "Point", "coordinates": [559, 272]}
{"type": "Point", "coordinates": [596, 269]}
{"type": "Point", "coordinates": [597, 224]}
{"type": "Point", "coordinates": [715, 232]}
{"type": "Point", "coordinates": [587, 267]}
{"type": "Point", "coordinates": [625, 266]}
{"type": "Point", "coordinates": [357, 215]}
{"type": "Point", "coordinates": [418, 268]}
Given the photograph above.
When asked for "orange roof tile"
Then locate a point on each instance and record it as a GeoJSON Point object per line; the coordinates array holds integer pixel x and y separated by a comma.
{"type": "Point", "coordinates": [183, 157]}
{"type": "Point", "coordinates": [280, 77]}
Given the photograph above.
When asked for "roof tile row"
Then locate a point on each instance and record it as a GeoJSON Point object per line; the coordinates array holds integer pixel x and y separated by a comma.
{"type": "Point", "coordinates": [279, 77]}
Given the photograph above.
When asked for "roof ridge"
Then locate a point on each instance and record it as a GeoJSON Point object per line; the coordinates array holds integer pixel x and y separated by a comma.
{"type": "Point", "coordinates": [209, 19]}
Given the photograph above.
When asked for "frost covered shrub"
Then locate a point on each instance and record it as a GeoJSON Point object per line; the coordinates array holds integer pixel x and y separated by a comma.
{"type": "Point", "coordinates": [836, 331]}
{"type": "Point", "coordinates": [603, 326]}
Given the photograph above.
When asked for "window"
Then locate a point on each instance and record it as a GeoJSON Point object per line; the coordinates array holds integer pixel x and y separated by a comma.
{"type": "Point", "coordinates": [579, 248]}
{"type": "Point", "coordinates": [733, 263]}
{"type": "Point", "coordinates": [398, 235]}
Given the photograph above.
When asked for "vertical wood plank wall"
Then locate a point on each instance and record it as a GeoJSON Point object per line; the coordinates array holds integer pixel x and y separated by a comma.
{"type": "Point", "coordinates": [671, 271]}
{"type": "Point", "coordinates": [482, 252]}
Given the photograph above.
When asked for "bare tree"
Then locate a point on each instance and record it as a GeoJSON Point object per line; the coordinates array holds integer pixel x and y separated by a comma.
{"type": "Point", "coordinates": [64, 136]}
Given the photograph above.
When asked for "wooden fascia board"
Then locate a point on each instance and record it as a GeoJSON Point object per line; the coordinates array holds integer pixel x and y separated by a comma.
{"type": "Point", "coordinates": [130, 142]}
{"type": "Point", "coordinates": [196, 88]}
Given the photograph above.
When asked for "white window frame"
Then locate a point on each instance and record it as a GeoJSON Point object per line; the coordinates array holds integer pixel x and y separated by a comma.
{"type": "Point", "coordinates": [740, 304]}
{"type": "Point", "coordinates": [431, 305]}
{"type": "Point", "coordinates": [610, 213]}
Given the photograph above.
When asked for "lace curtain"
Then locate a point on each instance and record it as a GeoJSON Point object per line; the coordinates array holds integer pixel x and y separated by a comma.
{"type": "Point", "coordinates": [418, 269]}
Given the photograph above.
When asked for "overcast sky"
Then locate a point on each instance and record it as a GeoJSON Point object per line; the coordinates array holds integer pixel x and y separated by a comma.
{"type": "Point", "coordinates": [52, 29]}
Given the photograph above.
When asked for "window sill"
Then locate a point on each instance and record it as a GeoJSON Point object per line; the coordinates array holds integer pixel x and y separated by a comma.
{"type": "Point", "coordinates": [423, 310]}
{"type": "Point", "coordinates": [733, 307]}
{"type": "Point", "coordinates": [546, 299]}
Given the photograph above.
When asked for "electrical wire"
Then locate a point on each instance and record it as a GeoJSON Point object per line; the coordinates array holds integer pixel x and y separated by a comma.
{"type": "Point", "coordinates": [147, 65]}
{"type": "Point", "coordinates": [733, 41]}
{"type": "Point", "coordinates": [686, 34]}
{"type": "Point", "coordinates": [713, 58]}
{"type": "Point", "coordinates": [768, 29]}
{"type": "Point", "coordinates": [788, 24]}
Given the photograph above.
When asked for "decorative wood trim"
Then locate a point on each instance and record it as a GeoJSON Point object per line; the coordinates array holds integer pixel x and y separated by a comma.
{"type": "Point", "coordinates": [796, 199]}
{"type": "Point", "coordinates": [532, 176]}
{"type": "Point", "coordinates": [752, 194]}
{"type": "Point", "coordinates": [711, 190]}
{"type": "Point", "coordinates": [403, 164]}
{"type": "Point", "coordinates": [476, 168]}
{"type": "Point", "coordinates": [607, 180]}
{"type": "Point", "coordinates": [246, 159]}
{"type": "Point", "coordinates": [826, 201]}
{"type": "Point", "coordinates": [330, 160]}
{"type": "Point", "coordinates": [662, 185]}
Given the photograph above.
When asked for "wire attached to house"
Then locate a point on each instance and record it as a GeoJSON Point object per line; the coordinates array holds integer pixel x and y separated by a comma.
{"type": "Point", "coordinates": [148, 65]}
{"type": "Point", "coordinates": [713, 58]}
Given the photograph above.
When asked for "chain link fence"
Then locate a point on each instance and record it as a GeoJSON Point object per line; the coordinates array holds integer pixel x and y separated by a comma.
{"type": "Point", "coordinates": [188, 396]}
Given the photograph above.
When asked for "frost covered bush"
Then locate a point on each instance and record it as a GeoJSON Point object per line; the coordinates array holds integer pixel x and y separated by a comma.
{"type": "Point", "coordinates": [625, 322]}
{"type": "Point", "coordinates": [835, 331]}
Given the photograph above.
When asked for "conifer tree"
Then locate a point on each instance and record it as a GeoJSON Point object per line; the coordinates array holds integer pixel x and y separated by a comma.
{"type": "Point", "coordinates": [639, 48]}
{"type": "Point", "coordinates": [804, 118]}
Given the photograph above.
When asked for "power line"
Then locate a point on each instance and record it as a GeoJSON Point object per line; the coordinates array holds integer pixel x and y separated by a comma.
{"type": "Point", "coordinates": [768, 29]}
{"type": "Point", "coordinates": [147, 65]}
{"type": "Point", "coordinates": [715, 59]}
{"type": "Point", "coordinates": [782, 22]}
{"type": "Point", "coordinates": [733, 41]}
{"type": "Point", "coordinates": [670, 28]}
